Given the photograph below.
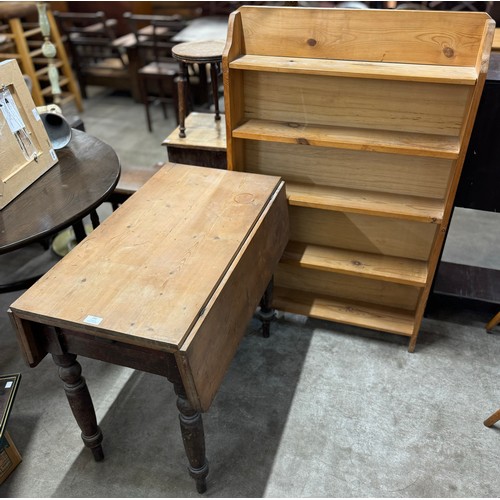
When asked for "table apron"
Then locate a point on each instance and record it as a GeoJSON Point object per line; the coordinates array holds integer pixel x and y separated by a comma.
{"type": "Point", "coordinates": [61, 340]}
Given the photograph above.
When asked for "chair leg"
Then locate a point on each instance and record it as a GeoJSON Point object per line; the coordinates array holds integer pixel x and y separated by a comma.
{"type": "Point", "coordinates": [215, 89]}
{"type": "Point", "coordinates": [493, 322]}
{"type": "Point", "coordinates": [145, 101]}
{"type": "Point", "coordinates": [492, 419]}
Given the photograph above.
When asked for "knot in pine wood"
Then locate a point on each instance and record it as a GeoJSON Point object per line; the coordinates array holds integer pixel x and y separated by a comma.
{"type": "Point", "coordinates": [448, 52]}
{"type": "Point", "coordinates": [311, 42]}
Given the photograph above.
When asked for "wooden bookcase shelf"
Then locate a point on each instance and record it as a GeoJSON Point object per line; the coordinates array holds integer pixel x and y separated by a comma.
{"type": "Point", "coordinates": [365, 202]}
{"type": "Point", "coordinates": [384, 141]}
{"type": "Point", "coordinates": [354, 313]}
{"type": "Point", "coordinates": [372, 266]}
{"type": "Point", "coordinates": [360, 69]}
{"type": "Point", "coordinates": [366, 114]}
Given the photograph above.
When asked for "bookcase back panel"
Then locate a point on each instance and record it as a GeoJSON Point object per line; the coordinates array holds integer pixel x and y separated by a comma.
{"type": "Point", "coordinates": [369, 35]}
{"type": "Point", "coordinates": [361, 103]}
{"type": "Point", "coordinates": [364, 170]}
{"type": "Point", "coordinates": [363, 233]}
{"type": "Point", "coordinates": [347, 287]}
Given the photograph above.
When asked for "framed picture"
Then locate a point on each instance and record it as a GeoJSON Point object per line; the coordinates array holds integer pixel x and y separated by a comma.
{"type": "Point", "coordinates": [26, 152]}
{"type": "Point", "coordinates": [8, 389]}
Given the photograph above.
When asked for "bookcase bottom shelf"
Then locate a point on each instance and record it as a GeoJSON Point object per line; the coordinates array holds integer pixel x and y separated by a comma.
{"type": "Point", "coordinates": [391, 320]}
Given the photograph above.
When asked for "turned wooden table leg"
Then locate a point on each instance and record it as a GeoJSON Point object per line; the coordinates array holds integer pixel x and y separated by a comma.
{"type": "Point", "coordinates": [182, 98]}
{"type": "Point", "coordinates": [80, 402]}
{"type": "Point", "coordinates": [266, 313]}
{"type": "Point", "coordinates": [193, 435]}
{"type": "Point", "coordinates": [215, 89]}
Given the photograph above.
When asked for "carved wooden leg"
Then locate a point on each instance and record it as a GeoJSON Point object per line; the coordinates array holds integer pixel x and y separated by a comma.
{"type": "Point", "coordinates": [80, 402]}
{"type": "Point", "coordinates": [192, 432]}
{"type": "Point", "coordinates": [215, 89]}
{"type": "Point", "coordinates": [182, 98]}
{"type": "Point", "coordinates": [266, 313]}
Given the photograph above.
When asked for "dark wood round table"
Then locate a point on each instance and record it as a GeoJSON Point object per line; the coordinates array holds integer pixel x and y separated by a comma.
{"type": "Point", "coordinates": [84, 177]}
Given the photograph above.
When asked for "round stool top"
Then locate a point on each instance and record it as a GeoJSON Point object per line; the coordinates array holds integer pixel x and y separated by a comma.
{"type": "Point", "coordinates": [209, 51]}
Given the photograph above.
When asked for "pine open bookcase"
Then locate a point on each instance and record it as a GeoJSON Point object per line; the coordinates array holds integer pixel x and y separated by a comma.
{"type": "Point", "coordinates": [366, 115]}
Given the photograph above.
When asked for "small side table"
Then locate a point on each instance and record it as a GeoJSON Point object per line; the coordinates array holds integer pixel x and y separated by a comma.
{"type": "Point", "coordinates": [202, 53]}
{"type": "Point", "coordinates": [167, 285]}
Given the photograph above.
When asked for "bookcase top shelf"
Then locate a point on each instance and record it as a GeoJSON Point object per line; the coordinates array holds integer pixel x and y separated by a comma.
{"type": "Point", "coordinates": [441, 38]}
{"type": "Point", "coordinates": [458, 75]}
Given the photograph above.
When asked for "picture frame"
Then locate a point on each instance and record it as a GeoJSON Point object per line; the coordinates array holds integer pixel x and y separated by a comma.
{"type": "Point", "coordinates": [8, 390]}
{"type": "Point", "coordinates": [26, 151]}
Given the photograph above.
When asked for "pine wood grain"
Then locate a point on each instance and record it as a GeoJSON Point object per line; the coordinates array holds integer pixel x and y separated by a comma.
{"type": "Point", "coordinates": [363, 264]}
{"type": "Point", "coordinates": [149, 269]}
{"type": "Point", "coordinates": [398, 106]}
{"type": "Point", "coordinates": [367, 115]}
{"type": "Point", "coordinates": [362, 170]}
{"type": "Point", "coordinates": [387, 319]}
{"type": "Point", "coordinates": [382, 141]}
{"type": "Point", "coordinates": [207, 353]}
{"type": "Point", "coordinates": [455, 75]}
{"type": "Point", "coordinates": [347, 287]}
{"type": "Point", "coordinates": [365, 202]}
{"type": "Point", "coordinates": [363, 233]}
{"type": "Point", "coordinates": [204, 133]}
{"type": "Point", "coordinates": [431, 37]}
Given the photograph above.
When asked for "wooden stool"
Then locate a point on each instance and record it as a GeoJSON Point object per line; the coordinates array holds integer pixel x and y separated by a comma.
{"type": "Point", "coordinates": [202, 53]}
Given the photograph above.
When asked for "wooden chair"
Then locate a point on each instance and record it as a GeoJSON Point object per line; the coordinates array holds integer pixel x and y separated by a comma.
{"type": "Point", "coordinates": [95, 59]}
{"type": "Point", "coordinates": [157, 71]}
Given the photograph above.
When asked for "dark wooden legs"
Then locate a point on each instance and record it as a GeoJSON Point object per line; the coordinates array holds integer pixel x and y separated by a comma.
{"type": "Point", "coordinates": [215, 89]}
{"type": "Point", "coordinates": [193, 435]}
{"type": "Point", "coordinates": [80, 402]}
{"type": "Point", "coordinates": [266, 312]}
{"type": "Point", "coordinates": [182, 98]}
